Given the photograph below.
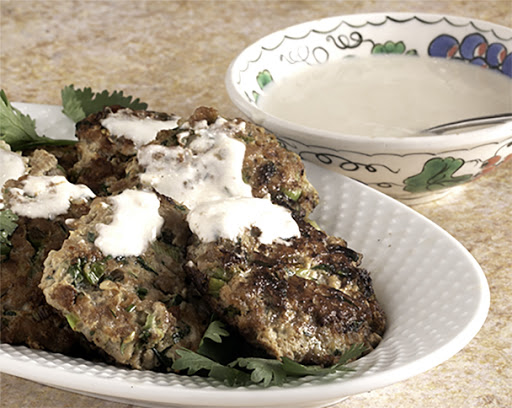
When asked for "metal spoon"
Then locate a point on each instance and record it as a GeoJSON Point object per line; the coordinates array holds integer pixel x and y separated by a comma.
{"type": "Point", "coordinates": [460, 124]}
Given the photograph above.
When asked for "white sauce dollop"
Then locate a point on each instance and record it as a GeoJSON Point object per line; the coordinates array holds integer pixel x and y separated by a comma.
{"type": "Point", "coordinates": [12, 167]}
{"type": "Point", "coordinates": [206, 176]}
{"type": "Point", "coordinates": [136, 223]}
{"type": "Point", "coordinates": [387, 96]}
{"type": "Point", "coordinates": [140, 131]}
{"type": "Point", "coordinates": [46, 196]}
{"type": "Point", "coordinates": [209, 169]}
{"type": "Point", "coordinates": [230, 217]}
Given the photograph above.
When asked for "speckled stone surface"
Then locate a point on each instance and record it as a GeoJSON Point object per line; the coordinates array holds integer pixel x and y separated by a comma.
{"type": "Point", "coordinates": [174, 55]}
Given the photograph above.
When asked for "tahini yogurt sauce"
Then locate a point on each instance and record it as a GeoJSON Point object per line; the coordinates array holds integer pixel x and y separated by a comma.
{"type": "Point", "coordinates": [135, 224]}
{"type": "Point", "coordinates": [12, 167]}
{"type": "Point", "coordinates": [229, 217]}
{"type": "Point", "coordinates": [206, 176]}
{"type": "Point", "coordinates": [140, 131]}
{"type": "Point", "coordinates": [46, 196]}
{"type": "Point", "coordinates": [209, 169]}
{"type": "Point", "coordinates": [387, 96]}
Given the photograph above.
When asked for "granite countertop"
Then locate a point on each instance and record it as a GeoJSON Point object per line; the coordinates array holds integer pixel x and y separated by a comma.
{"type": "Point", "coordinates": [174, 55]}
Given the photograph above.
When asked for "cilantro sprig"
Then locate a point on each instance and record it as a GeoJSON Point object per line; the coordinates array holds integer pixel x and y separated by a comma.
{"type": "Point", "coordinates": [210, 359]}
{"type": "Point", "coordinates": [79, 103]}
{"type": "Point", "coordinates": [19, 130]}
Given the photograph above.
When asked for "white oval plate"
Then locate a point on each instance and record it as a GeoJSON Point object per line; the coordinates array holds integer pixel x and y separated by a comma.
{"type": "Point", "coordinates": [434, 293]}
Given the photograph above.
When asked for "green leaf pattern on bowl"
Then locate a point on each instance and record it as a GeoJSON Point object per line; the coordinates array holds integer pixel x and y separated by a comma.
{"type": "Point", "coordinates": [390, 47]}
{"type": "Point", "coordinates": [263, 79]}
{"type": "Point", "coordinates": [437, 174]}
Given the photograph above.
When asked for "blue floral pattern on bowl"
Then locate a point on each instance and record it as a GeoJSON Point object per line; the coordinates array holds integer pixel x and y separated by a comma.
{"type": "Point", "coordinates": [474, 48]}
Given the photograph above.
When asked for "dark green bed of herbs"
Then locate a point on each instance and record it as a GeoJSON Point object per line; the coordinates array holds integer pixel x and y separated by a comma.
{"type": "Point", "coordinates": [226, 357]}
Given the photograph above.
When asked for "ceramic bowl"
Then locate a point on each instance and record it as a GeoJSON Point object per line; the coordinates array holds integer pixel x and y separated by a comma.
{"type": "Point", "coordinates": [411, 169]}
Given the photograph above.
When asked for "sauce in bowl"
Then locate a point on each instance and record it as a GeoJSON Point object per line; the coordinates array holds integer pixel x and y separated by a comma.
{"type": "Point", "coordinates": [387, 96]}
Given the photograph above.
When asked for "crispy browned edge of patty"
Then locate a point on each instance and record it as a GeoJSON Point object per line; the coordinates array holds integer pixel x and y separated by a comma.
{"type": "Point", "coordinates": [260, 291]}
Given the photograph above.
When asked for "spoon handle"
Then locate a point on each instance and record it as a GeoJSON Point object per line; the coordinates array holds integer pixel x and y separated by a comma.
{"type": "Point", "coordinates": [482, 120]}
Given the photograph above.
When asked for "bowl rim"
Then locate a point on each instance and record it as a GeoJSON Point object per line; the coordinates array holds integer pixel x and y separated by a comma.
{"type": "Point", "coordinates": [322, 137]}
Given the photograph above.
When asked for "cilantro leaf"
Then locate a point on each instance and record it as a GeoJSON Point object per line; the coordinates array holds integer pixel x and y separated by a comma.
{"type": "Point", "coordinates": [12, 117]}
{"type": "Point", "coordinates": [80, 103]}
{"type": "Point", "coordinates": [219, 344]}
{"type": "Point", "coordinates": [354, 352]}
{"type": "Point", "coordinates": [266, 371]}
{"type": "Point", "coordinates": [215, 332]}
{"type": "Point", "coordinates": [194, 363]}
{"type": "Point", "coordinates": [71, 104]}
{"type": "Point", "coordinates": [19, 130]}
{"type": "Point", "coordinates": [220, 356]}
{"type": "Point", "coordinates": [294, 369]}
{"type": "Point", "coordinates": [7, 227]}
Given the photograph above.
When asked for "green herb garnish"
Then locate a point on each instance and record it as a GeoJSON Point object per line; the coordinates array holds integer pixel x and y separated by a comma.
{"type": "Point", "coordinates": [210, 360]}
{"type": "Point", "coordinates": [194, 363]}
{"type": "Point", "coordinates": [262, 370]}
{"type": "Point", "coordinates": [80, 103]}
{"type": "Point", "coordinates": [215, 332]}
{"type": "Point", "coordinates": [19, 130]}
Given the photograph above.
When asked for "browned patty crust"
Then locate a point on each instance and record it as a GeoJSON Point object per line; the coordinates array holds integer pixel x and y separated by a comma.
{"type": "Point", "coordinates": [26, 318]}
{"type": "Point", "coordinates": [138, 309]}
{"type": "Point", "coordinates": [102, 158]}
{"type": "Point", "coordinates": [306, 299]}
